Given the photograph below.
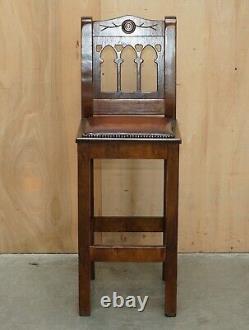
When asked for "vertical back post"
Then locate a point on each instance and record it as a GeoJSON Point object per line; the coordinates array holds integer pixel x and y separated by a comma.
{"type": "Point", "coordinates": [170, 67]}
{"type": "Point", "coordinates": [86, 67]}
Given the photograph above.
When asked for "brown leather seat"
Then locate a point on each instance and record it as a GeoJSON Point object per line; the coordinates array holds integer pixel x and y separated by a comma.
{"type": "Point", "coordinates": [128, 127]}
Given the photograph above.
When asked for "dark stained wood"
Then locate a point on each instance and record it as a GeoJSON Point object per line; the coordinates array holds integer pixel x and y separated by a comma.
{"type": "Point", "coordinates": [123, 31]}
{"type": "Point", "coordinates": [127, 253]}
{"type": "Point", "coordinates": [86, 67]}
{"type": "Point", "coordinates": [170, 66]}
{"type": "Point", "coordinates": [125, 150]}
{"type": "Point", "coordinates": [164, 213]}
{"type": "Point", "coordinates": [92, 213]}
{"type": "Point", "coordinates": [171, 226]}
{"type": "Point", "coordinates": [123, 42]}
{"type": "Point", "coordinates": [143, 27]}
{"type": "Point", "coordinates": [84, 238]}
{"type": "Point", "coordinates": [128, 224]}
{"type": "Point", "coordinates": [128, 107]}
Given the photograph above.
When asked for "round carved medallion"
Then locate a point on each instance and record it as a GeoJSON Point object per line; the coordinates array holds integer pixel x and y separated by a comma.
{"type": "Point", "coordinates": [128, 26]}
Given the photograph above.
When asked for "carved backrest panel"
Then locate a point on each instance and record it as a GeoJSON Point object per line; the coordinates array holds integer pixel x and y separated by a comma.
{"type": "Point", "coordinates": [119, 34]}
{"type": "Point", "coordinates": [116, 38]}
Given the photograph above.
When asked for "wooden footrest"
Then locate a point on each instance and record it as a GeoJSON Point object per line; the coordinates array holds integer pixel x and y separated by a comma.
{"type": "Point", "coordinates": [128, 224]}
{"type": "Point", "coordinates": [128, 253]}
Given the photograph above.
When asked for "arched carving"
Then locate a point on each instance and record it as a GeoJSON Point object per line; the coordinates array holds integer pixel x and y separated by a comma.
{"type": "Point", "coordinates": [108, 69]}
{"type": "Point", "coordinates": [128, 70]}
{"type": "Point", "coordinates": [149, 69]}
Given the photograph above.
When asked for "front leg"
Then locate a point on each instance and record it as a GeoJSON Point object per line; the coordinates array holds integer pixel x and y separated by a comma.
{"type": "Point", "coordinates": [171, 226]}
{"type": "Point", "coordinates": [92, 213]}
{"type": "Point", "coordinates": [84, 233]}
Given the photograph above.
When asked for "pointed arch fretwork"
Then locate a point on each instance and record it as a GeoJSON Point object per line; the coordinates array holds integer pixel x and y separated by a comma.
{"type": "Point", "coordinates": [108, 64]}
{"type": "Point", "coordinates": [128, 70]}
{"type": "Point", "coordinates": [149, 70]}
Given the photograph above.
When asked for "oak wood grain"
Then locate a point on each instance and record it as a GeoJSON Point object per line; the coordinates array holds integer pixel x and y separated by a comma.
{"type": "Point", "coordinates": [128, 254]}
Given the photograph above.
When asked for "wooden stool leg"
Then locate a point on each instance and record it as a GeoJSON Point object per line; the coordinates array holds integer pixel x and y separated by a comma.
{"type": "Point", "coordinates": [84, 235]}
{"type": "Point", "coordinates": [164, 214]}
{"type": "Point", "coordinates": [171, 219]}
{"type": "Point", "coordinates": [92, 214]}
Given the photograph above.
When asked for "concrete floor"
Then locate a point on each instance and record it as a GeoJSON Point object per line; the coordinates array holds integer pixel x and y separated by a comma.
{"type": "Point", "coordinates": [40, 292]}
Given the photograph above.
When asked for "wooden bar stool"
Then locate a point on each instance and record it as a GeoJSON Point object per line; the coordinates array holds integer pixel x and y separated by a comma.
{"type": "Point", "coordinates": [127, 125]}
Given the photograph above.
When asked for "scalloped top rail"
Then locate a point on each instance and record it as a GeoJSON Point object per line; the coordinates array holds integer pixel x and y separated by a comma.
{"type": "Point", "coordinates": [128, 26]}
